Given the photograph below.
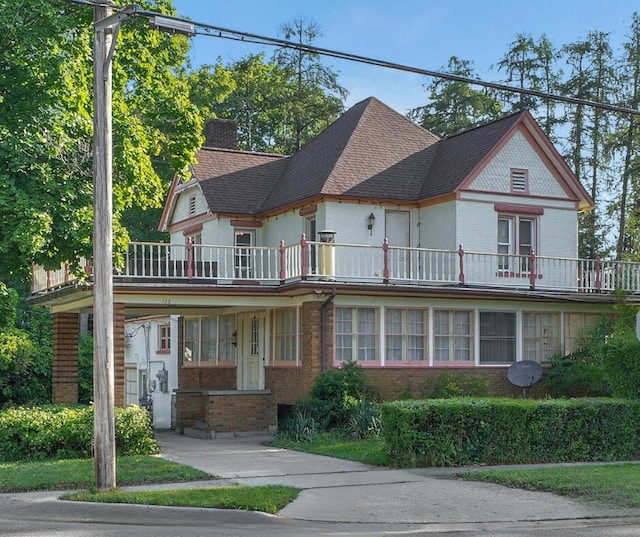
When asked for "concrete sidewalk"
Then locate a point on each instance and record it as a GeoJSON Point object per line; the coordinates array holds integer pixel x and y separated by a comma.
{"type": "Point", "coordinates": [343, 491]}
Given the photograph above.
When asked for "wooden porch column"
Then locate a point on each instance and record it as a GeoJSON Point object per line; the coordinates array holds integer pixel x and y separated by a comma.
{"type": "Point", "coordinates": [118, 353]}
{"type": "Point", "coordinates": [64, 378]}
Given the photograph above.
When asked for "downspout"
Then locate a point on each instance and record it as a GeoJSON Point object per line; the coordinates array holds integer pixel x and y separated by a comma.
{"type": "Point", "coordinates": [323, 328]}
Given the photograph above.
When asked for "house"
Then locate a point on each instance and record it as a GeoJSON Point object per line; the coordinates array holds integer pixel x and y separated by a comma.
{"type": "Point", "coordinates": [151, 366]}
{"type": "Point", "coordinates": [377, 242]}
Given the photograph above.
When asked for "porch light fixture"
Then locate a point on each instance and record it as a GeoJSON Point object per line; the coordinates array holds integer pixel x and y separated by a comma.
{"type": "Point", "coordinates": [371, 220]}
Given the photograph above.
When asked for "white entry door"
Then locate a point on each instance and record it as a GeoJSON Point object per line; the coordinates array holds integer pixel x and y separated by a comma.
{"type": "Point", "coordinates": [252, 350]}
{"type": "Point", "coordinates": [397, 231]}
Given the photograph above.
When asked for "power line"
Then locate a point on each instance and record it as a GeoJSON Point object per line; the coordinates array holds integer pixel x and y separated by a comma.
{"type": "Point", "coordinates": [247, 37]}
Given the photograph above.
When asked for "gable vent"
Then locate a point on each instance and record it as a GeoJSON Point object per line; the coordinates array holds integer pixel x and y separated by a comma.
{"type": "Point", "coordinates": [192, 205]}
{"type": "Point", "coordinates": [519, 180]}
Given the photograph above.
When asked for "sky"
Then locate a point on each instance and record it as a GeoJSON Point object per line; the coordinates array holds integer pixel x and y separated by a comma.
{"type": "Point", "coordinates": [418, 33]}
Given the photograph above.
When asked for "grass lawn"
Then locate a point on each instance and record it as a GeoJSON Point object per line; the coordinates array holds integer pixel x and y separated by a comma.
{"type": "Point", "coordinates": [268, 499]}
{"type": "Point", "coordinates": [613, 484]}
{"type": "Point", "coordinates": [76, 474]}
{"type": "Point", "coordinates": [341, 447]}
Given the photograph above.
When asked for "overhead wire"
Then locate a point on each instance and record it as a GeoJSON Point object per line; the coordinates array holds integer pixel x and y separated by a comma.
{"type": "Point", "coordinates": [247, 37]}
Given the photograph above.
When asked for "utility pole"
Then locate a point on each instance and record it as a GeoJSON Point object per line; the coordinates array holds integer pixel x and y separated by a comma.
{"type": "Point", "coordinates": [103, 353]}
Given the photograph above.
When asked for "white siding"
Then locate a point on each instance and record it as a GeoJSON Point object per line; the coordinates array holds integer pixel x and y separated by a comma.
{"type": "Point", "coordinates": [518, 153]}
{"type": "Point", "coordinates": [477, 226]}
{"type": "Point", "coordinates": [438, 226]}
{"type": "Point", "coordinates": [181, 211]}
{"type": "Point", "coordinates": [151, 362]}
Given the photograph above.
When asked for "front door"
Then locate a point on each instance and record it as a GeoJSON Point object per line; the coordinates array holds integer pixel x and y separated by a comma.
{"type": "Point", "coordinates": [252, 348]}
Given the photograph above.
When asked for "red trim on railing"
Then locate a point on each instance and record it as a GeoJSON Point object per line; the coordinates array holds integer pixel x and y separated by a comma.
{"type": "Point", "coordinates": [66, 273]}
{"type": "Point", "coordinates": [532, 270]}
{"type": "Point", "coordinates": [48, 279]}
{"type": "Point", "coordinates": [385, 249]}
{"type": "Point", "coordinates": [189, 258]}
{"type": "Point", "coordinates": [283, 262]}
{"type": "Point", "coordinates": [598, 273]}
{"type": "Point", "coordinates": [303, 253]}
{"type": "Point", "coordinates": [33, 278]}
{"type": "Point", "coordinates": [461, 255]}
{"type": "Point", "coordinates": [517, 209]}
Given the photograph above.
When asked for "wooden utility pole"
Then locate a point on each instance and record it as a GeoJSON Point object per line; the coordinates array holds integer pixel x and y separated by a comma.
{"type": "Point", "coordinates": [103, 354]}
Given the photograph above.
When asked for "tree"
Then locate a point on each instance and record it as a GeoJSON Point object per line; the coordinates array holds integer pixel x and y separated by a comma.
{"type": "Point", "coordinates": [455, 106]}
{"type": "Point", "coordinates": [315, 97]}
{"type": "Point", "coordinates": [531, 64]}
{"type": "Point", "coordinates": [46, 128]}
{"type": "Point", "coordinates": [591, 77]}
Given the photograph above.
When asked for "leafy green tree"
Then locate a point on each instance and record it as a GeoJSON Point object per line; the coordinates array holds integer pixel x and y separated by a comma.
{"type": "Point", "coordinates": [315, 97]}
{"type": "Point", "coordinates": [46, 127]}
{"type": "Point", "coordinates": [531, 64]}
{"type": "Point", "coordinates": [592, 77]}
{"type": "Point", "coordinates": [455, 106]}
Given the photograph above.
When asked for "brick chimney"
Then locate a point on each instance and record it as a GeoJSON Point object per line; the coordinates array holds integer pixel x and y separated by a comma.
{"type": "Point", "coordinates": [221, 134]}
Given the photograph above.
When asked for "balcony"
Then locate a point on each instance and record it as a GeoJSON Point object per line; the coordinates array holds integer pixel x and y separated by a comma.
{"type": "Point", "coordinates": [354, 263]}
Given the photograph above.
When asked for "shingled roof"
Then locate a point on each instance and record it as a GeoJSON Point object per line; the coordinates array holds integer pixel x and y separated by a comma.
{"type": "Point", "coordinates": [371, 152]}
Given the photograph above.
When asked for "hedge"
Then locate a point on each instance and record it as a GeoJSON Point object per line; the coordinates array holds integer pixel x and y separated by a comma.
{"type": "Point", "coordinates": [456, 432]}
{"type": "Point", "coordinates": [66, 432]}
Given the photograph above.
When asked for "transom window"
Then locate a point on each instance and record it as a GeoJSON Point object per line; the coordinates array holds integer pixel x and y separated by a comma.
{"type": "Point", "coordinates": [406, 334]}
{"type": "Point", "coordinates": [497, 337]}
{"type": "Point", "coordinates": [541, 336]}
{"type": "Point", "coordinates": [356, 335]}
{"type": "Point", "coordinates": [453, 335]}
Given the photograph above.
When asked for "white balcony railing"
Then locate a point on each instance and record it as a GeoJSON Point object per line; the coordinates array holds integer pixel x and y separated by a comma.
{"type": "Point", "coordinates": [224, 265]}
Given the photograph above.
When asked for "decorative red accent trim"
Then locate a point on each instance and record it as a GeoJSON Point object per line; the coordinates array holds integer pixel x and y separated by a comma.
{"type": "Point", "coordinates": [163, 351]}
{"type": "Point", "coordinates": [305, 211]}
{"type": "Point", "coordinates": [192, 230]}
{"type": "Point", "coordinates": [385, 251]}
{"type": "Point", "coordinates": [245, 223]}
{"type": "Point", "coordinates": [517, 209]}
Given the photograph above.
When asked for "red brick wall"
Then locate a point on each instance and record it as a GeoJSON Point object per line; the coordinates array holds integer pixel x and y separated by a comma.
{"type": "Point", "coordinates": [240, 413]}
{"type": "Point", "coordinates": [66, 330]}
{"type": "Point", "coordinates": [210, 378]}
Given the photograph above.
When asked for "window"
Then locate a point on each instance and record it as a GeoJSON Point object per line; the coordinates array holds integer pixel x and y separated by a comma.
{"type": "Point", "coordinates": [244, 240]}
{"type": "Point", "coordinates": [285, 335]}
{"type": "Point", "coordinates": [356, 337]}
{"type": "Point", "coordinates": [209, 340]}
{"type": "Point", "coordinates": [453, 335]}
{"type": "Point", "coordinates": [540, 336]}
{"type": "Point", "coordinates": [164, 338]}
{"type": "Point", "coordinates": [406, 334]}
{"type": "Point", "coordinates": [497, 337]}
{"type": "Point", "coordinates": [519, 181]}
{"type": "Point", "coordinates": [576, 327]}
{"type": "Point", "coordinates": [516, 235]}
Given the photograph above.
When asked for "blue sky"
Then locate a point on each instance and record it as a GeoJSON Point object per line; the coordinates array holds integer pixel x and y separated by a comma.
{"type": "Point", "coordinates": [419, 33]}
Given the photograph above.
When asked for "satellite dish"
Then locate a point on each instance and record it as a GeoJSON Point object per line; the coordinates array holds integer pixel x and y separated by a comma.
{"type": "Point", "coordinates": [524, 374]}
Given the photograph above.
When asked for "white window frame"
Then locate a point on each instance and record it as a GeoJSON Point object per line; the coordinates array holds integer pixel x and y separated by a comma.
{"type": "Point", "coordinates": [286, 335]}
{"type": "Point", "coordinates": [351, 343]}
{"type": "Point", "coordinates": [214, 337]}
{"type": "Point", "coordinates": [407, 337]}
{"type": "Point", "coordinates": [164, 338]}
{"type": "Point", "coordinates": [513, 254]}
{"type": "Point", "coordinates": [453, 340]}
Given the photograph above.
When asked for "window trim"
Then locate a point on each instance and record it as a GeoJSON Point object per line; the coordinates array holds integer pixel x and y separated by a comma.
{"type": "Point", "coordinates": [355, 335]}
{"type": "Point", "coordinates": [276, 336]}
{"type": "Point", "coordinates": [514, 257]}
{"type": "Point", "coordinates": [164, 338]}
{"type": "Point", "coordinates": [451, 335]}
{"type": "Point", "coordinates": [217, 362]}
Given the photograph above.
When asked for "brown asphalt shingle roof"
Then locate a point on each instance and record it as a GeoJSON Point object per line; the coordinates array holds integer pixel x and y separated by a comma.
{"type": "Point", "coordinates": [371, 152]}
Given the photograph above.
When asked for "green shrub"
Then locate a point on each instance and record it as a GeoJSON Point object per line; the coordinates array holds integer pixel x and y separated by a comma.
{"type": "Point", "coordinates": [65, 432]}
{"type": "Point", "coordinates": [448, 385]}
{"type": "Point", "coordinates": [622, 363]}
{"type": "Point", "coordinates": [336, 392]}
{"type": "Point", "coordinates": [451, 432]}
